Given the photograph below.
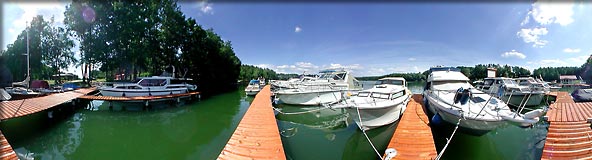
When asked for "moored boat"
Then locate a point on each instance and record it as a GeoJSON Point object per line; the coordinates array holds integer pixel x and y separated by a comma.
{"type": "Point", "coordinates": [329, 88]}
{"type": "Point", "coordinates": [512, 93]}
{"type": "Point", "coordinates": [149, 86]}
{"type": "Point", "coordinates": [449, 95]}
{"type": "Point", "coordinates": [381, 105]}
{"type": "Point", "coordinates": [253, 88]}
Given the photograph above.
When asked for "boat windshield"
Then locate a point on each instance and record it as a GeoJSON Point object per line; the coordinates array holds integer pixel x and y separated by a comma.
{"type": "Point", "coordinates": [363, 94]}
{"type": "Point", "coordinates": [509, 82]}
{"type": "Point", "coordinates": [389, 81]}
{"type": "Point", "coordinates": [152, 82]}
{"type": "Point", "coordinates": [380, 95]}
{"type": "Point", "coordinates": [451, 85]}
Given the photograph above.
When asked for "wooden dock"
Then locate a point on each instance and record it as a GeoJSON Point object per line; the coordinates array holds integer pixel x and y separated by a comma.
{"type": "Point", "coordinates": [257, 135]}
{"type": "Point", "coordinates": [18, 108]}
{"type": "Point", "coordinates": [6, 151]}
{"type": "Point", "coordinates": [413, 136]}
{"type": "Point", "coordinates": [140, 98]}
{"type": "Point", "coordinates": [562, 97]}
{"type": "Point", "coordinates": [569, 135]}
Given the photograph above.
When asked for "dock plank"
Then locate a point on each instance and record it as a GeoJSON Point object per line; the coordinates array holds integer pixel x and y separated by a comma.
{"type": "Point", "coordinates": [569, 135]}
{"type": "Point", "coordinates": [139, 98]}
{"type": "Point", "coordinates": [413, 137]}
{"type": "Point", "coordinates": [257, 135]}
{"type": "Point", "coordinates": [18, 108]}
{"type": "Point", "coordinates": [6, 151]}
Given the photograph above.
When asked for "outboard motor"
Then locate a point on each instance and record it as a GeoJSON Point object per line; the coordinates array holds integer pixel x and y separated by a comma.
{"type": "Point", "coordinates": [458, 95]}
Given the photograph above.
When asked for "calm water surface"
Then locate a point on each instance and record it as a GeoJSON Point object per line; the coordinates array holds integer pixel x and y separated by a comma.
{"type": "Point", "coordinates": [199, 130]}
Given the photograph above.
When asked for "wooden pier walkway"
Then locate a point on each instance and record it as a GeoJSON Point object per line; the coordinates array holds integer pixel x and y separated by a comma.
{"type": "Point", "coordinates": [413, 136]}
{"type": "Point", "coordinates": [140, 98]}
{"type": "Point", "coordinates": [18, 108]}
{"type": "Point", "coordinates": [6, 151]}
{"type": "Point", "coordinates": [257, 135]}
{"type": "Point", "coordinates": [569, 135]}
{"type": "Point", "coordinates": [562, 97]}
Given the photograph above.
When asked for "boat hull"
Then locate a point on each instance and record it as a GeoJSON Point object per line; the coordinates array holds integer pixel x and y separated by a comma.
{"type": "Point", "coordinates": [516, 100]}
{"type": "Point", "coordinates": [251, 92]}
{"type": "Point", "coordinates": [140, 93]}
{"type": "Point", "coordinates": [309, 98]}
{"type": "Point", "coordinates": [373, 118]}
{"type": "Point", "coordinates": [451, 116]}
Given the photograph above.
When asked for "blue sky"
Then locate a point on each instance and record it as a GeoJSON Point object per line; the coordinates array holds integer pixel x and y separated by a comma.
{"type": "Point", "coordinates": [382, 38]}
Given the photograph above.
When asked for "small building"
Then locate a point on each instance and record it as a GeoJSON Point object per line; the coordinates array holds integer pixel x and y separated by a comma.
{"type": "Point", "coordinates": [568, 79]}
{"type": "Point", "coordinates": [491, 72]}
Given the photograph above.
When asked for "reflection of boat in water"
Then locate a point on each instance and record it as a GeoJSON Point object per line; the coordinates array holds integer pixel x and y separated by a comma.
{"type": "Point", "coordinates": [315, 117]}
{"type": "Point", "coordinates": [358, 147]}
{"type": "Point", "coordinates": [381, 105]}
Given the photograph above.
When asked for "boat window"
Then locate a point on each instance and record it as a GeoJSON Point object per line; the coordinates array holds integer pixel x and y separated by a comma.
{"type": "Point", "coordinates": [488, 82]}
{"type": "Point", "coordinates": [450, 85]}
{"type": "Point", "coordinates": [339, 76]}
{"type": "Point", "coordinates": [380, 95]}
{"type": "Point", "coordinates": [523, 83]}
{"type": "Point", "coordinates": [398, 94]}
{"type": "Point", "coordinates": [152, 82]}
{"type": "Point", "coordinates": [388, 81]}
{"type": "Point", "coordinates": [509, 81]}
{"type": "Point", "coordinates": [363, 94]}
{"type": "Point", "coordinates": [120, 87]}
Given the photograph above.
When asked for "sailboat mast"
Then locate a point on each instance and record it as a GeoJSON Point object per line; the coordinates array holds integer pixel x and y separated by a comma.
{"type": "Point", "coordinates": [28, 56]}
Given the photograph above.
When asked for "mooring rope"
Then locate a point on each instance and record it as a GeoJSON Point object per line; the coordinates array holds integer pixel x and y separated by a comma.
{"type": "Point", "coordinates": [448, 140]}
{"type": "Point", "coordinates": [303, 112]}
{"type": "Point", "coordinates": [366, 135]}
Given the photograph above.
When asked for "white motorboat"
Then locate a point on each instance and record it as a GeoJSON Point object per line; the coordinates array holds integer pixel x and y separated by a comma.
{"type": "Point", "coordinates": [512, 93]}
{"type": "Point", "coordinates": [149, 86]}
{"type": "Point", "coordinates": [253, 88]}
{"type": "Point", "coordinates": [534, 84]}
{"type": "Point", "coordinates": [449, 95]}
{"type": "Point", "coordinates": [291, 83]}
{"type": "Point", "coordinates": [329, 88]}
{"type": "Point", "coordinates": [381, 105]}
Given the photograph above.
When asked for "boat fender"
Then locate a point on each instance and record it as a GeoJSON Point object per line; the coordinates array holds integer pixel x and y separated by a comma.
{"type": "Point", "coordinates": [533, 114]}
{"type": "Point", "coordinates": [390, 153]}
{"type": "Point", "coordinates": [436, 119]}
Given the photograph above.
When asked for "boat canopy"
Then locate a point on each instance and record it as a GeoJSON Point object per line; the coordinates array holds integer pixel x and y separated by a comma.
{"type": "Point", "coordinates": [254, 82]}
{"type": "Point", "coordinates": [392, 80]}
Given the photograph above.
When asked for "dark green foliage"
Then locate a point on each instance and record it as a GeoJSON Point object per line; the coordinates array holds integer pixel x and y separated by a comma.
{"type": "Point", "coordinates": [144, 37]}
{"type": "Point", "coordinates": [552, 73]}
{"type": "Point", "coordinates": [248, 72]}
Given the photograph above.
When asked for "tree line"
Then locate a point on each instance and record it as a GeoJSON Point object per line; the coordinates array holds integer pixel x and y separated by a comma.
{"type": "Point", "coordinates": [476, 72]}
{"type": "Point", "coordinates": [127, 38]}
{"type": "Point", "coordinates": [248, 72]}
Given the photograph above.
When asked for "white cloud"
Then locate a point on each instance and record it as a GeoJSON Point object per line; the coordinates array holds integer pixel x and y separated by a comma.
{"type": "Point", "coordinates": [206, 7]}
{"type": "Point", "coordinates": [533, 36]}
{"type": "Point", "coordinates": [573, 61]}
{"type": "Point", "coordinates": [547, 12]}
{"type": "Point", "coordinates": [513, 53]}
{"type": "Point", "coordinates": [570, 50]}
{"type": "Point", "coordinates": [347, 67]}
{"type": "Point", "coordinates": [411, 59]}
{"type": "Point", "coordinates": [297, 29]}
{"type": "Point", "coordinates": [30, 10]}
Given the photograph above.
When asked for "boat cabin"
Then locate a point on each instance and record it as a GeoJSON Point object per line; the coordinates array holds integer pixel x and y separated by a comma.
{"type": "Point", "coordinates": [392, 81]}
{"type": "Point", "coordinates": [381, 95]}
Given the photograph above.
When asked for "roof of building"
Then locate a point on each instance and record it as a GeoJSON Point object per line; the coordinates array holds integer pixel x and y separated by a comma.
{"type": "Point", "coordinates": [568, 77]}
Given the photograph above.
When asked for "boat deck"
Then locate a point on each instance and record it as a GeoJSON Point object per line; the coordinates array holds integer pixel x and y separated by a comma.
{"type": "Point", "coordinates": [569, 135]}
{"type": "Point", "coordinates": [6, 151]}
{"type": "Point", "coordinates": [413, 136]}
{"type": "Point", "coordinates": [140, 98]}
{"type": "Point", "coordinates": [257, 135]}
{"type": "Point", "coordinates": [18, 108]}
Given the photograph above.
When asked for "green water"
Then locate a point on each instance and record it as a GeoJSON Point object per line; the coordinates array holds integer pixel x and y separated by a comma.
{"type": "Point", "coordinates": [332, 134]}
{"type": "Point", "coordinates": [200, 129]}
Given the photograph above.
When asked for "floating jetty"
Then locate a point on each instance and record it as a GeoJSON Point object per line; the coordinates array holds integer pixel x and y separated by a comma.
{"type": "Point", "coordinates": [257, 135]}
{"type": "Point", "coordinates": [569, 135]}
{"type": "Point", "coordinates": [6, 151]}
{"type": "Point", "coordinates": [18, 108]}
{"type": "Point", "coordinates": [413, 137]}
